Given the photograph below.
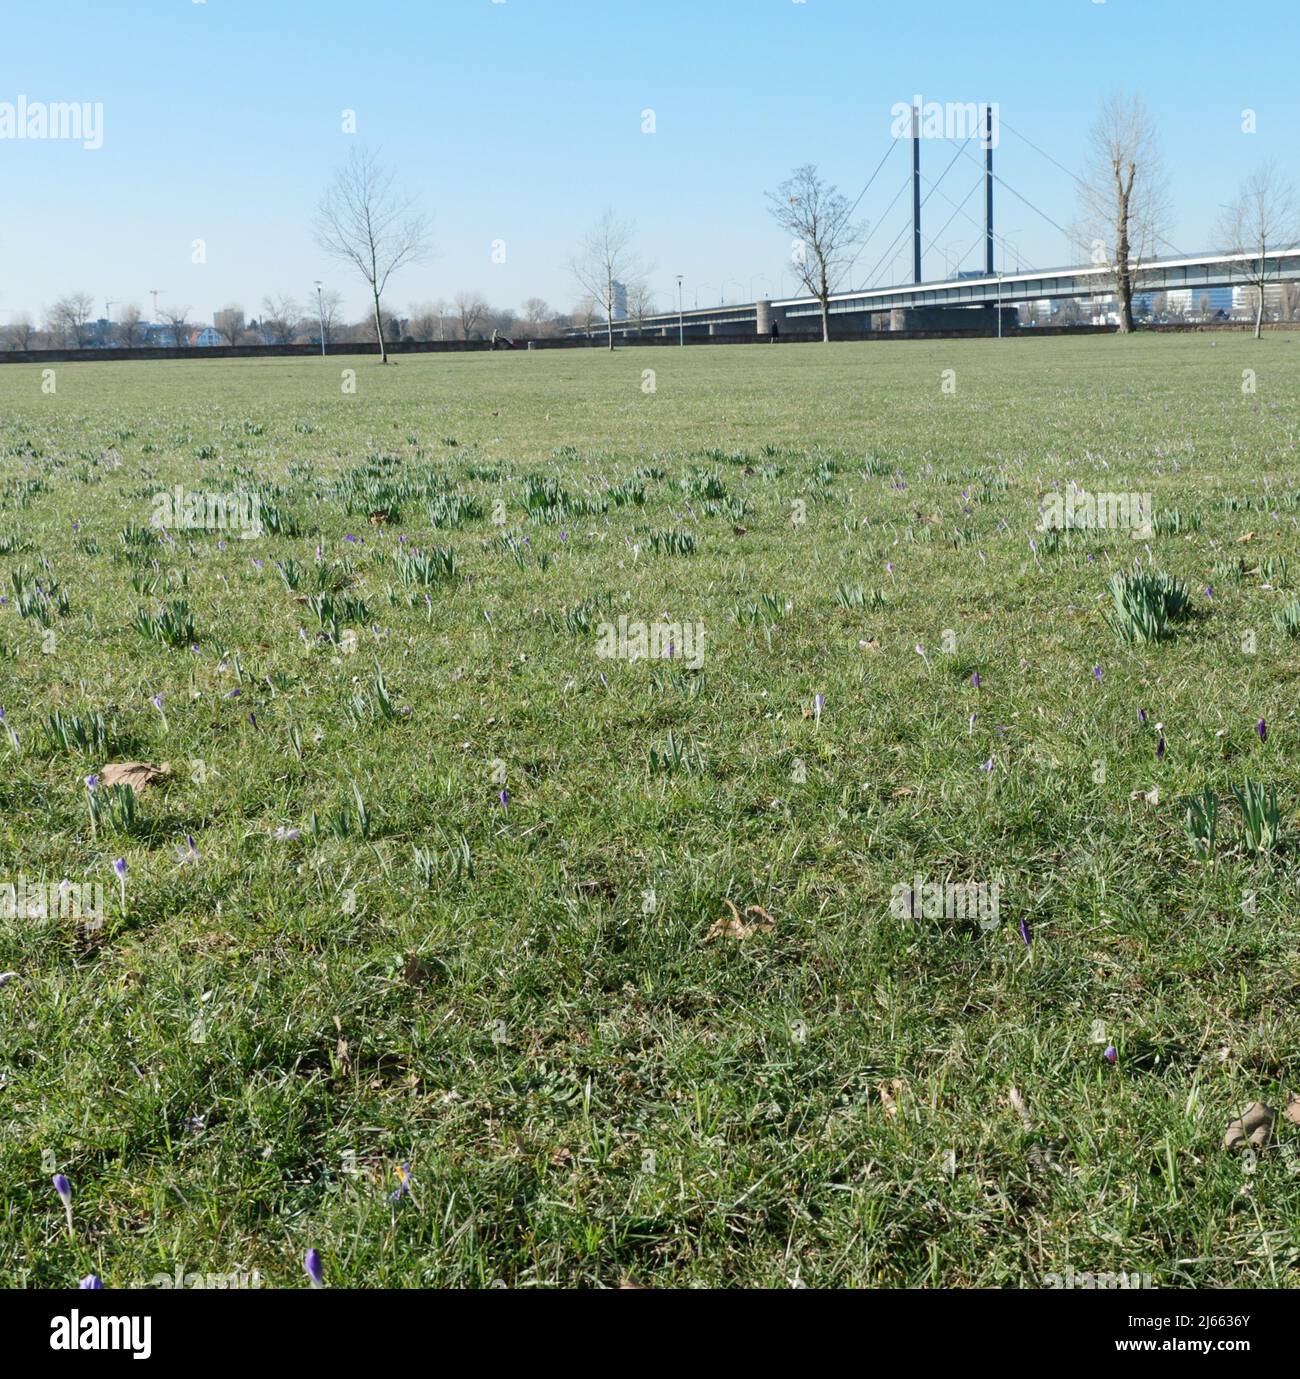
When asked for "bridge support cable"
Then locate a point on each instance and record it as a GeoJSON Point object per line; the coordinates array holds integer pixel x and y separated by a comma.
{"type": "Point", "coordinates": [848, 268]}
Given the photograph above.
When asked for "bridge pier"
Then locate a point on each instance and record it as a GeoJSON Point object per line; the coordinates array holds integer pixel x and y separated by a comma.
{"type": "Point", "coordinates": [952, 318]}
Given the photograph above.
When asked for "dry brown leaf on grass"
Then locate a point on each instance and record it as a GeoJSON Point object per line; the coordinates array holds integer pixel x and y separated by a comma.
{"type": "Point", "coordinates": [889, 1095]}
{"type": "Point", "coordinates": [341, 1048]}
{"type": "Point", "coordinates": [1251, 1129]}
{"type": "Point", "coordinates": [1249, 536]}
{"type": "Point", "coordinates": [416, 973]}
{"type": "Point", "coordinates": [734, 926]}
{"type": "Point", "coordinates": [1021, 1107]}
{"type": "Point", "coordinates": [136, 774]}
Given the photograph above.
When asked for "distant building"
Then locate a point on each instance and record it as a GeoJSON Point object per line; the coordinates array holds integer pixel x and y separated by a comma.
{"type": "Point", "coordinates": [206, 339]}
{"type": "Point", "coordinates": [620, 302]}
{"type": "Point", "coordinates": [229, 323]}
{"type": "Point", "coordinates": [1245, 299]}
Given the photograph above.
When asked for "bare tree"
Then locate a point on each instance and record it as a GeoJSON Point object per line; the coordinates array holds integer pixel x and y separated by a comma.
{"type": "Point", "coordinates": [816, 217]}
{"type": "Point", "coordinates": [324, 318]}
{"type": "Point", "coordinates": [605, 259]}
{"type": "Point", "coordinates": [471, 308]}
{"type": "Point", "coordinates": [177, 317]}
{"type": "Point", "coordinates": [537, 317]}
{"type": "Point", "coordinates": [281, 318]}
{"type": "Point", "coordinates": [640, 302]}
{"type": "Point", "coordinates": [1122, 195]}
{"type": "Point", "coordinates": [586, 312]}
{"type": "Point", "coordinates": [365, 329]}
{"type": "Point", "coordinates": [18, 333]}
{"type": "Point", "coordinates": [129, 326]}
{"type": "Point", "coordinates": [69, 319]}
{"type": "Point", "coordinates": [229, 323]}
{"type": "Point", "coordinates": [425, 321]}
{"type": "Point", "coordinates": [1263, 216]}
{"type": "Point", "coordinates": [365, 222]}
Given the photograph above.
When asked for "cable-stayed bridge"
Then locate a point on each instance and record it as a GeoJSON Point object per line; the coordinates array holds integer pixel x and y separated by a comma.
{"type": "Point", "coordinates": [965, 300]}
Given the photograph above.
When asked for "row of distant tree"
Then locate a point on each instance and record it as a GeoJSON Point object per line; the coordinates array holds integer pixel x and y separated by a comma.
{"type": "Point", "coordinates": [73, 322]}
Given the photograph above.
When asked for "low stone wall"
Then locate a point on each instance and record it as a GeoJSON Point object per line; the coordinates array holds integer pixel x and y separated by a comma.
{"type": "Point", "coordinates": [595, 341]}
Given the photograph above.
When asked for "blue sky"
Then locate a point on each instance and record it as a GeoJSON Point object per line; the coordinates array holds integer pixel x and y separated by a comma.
{"type": "Point", "coordinates": [521, 121]}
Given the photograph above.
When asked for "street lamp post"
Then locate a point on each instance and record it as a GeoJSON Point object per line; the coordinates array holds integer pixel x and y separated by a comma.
{"type": "Point", "coordinates": [681, 329]}
{"type": "Point", "coordinates": [320, 302]}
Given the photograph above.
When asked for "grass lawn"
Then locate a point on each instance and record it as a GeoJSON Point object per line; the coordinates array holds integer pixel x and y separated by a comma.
{"type": "Point", "coordinates": [431, 882]}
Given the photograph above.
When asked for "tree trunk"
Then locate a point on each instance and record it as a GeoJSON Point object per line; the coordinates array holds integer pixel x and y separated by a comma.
{"type": "Point", "coordinates": [1123, 275]}
{"type": "Point", "coordinates": [379, 331]}
{"type": "Point", "coordinates": [1259, 313]}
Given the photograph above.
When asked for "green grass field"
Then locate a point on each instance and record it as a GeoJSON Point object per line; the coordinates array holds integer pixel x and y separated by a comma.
{"type": "Point", "coordinates": [453, 874]}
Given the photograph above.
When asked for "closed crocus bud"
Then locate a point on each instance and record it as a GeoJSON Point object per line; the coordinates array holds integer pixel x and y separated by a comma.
{"type": "Point", "coordinates": [1262, 729]}
{"type": "Point", "coordinates": [311, 1262]}
{"type": "Point", "coordinates": [63, 1188]}
{"type": "Point", "coordinates": [91, 1281]}
{"type": "Point", "coordinates": [1110, 1054]}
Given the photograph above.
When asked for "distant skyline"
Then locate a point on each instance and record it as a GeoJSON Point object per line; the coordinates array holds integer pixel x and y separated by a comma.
{"type": "Point", "coordinates": [516, 123]}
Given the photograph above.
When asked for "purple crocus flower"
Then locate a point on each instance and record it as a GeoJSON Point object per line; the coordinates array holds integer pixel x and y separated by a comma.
{"type": "Point", "coordinates": [1142, 717]}
{"type": "Point", "coordinates": [120, 868]}
{"type": "Point", "coordinates": [63, 1188]}
{"type": "Point", "coordinates": [988, 765]}
{"type": "Point", "coordinates": [1160, 748]}
{"type": "Point", "coordinates": [189, 853]}
{"type": "Point", "coordinates": [504, 799]}
{"type": "Point", "coordinates": [1026, 934]}
{"type": "Point", "coordinates": [975, 678]}
{"type": "Point", "coordinates": [403, 1183]}
{"type": "Point", "coordinates": [1110, 1055]}
{"type": "Point", "coordinates": [1096, 674]}
{"type": "Point", "coordinates": [92, 783]}
{"type": "Point", "coordinates": [157, 701]}
{"type": "Point", "coordinates": [91, 1281]}
{"type": "Point", "coordinates": [311, 1262]}
{"type": "Point", "coordinates": [1262, 729]}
